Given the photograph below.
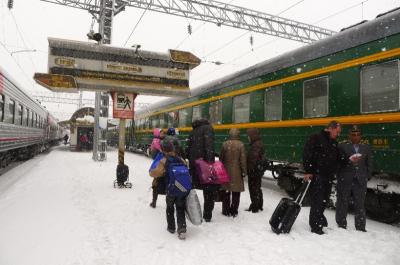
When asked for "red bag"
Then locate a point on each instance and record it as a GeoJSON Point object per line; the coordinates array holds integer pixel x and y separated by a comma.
{"type": "Point", "coordinates": [220, 171]}
{"type": "Point", "coordinates": [211, 173]}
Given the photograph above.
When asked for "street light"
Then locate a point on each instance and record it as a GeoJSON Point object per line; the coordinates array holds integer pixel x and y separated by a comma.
{"type": "Point", "coordinates": [32, 50]}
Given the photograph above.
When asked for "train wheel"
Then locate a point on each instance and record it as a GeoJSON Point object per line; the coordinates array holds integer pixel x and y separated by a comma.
{"type": "Point", "coordinates": [383, 207]}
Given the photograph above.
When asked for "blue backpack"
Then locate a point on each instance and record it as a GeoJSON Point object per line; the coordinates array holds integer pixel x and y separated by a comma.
{"type": "Point", "coordinates": [179, 181]}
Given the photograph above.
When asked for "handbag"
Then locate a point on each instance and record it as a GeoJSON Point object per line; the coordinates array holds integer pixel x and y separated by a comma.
{"type": "Point", "coordinates": [211, 173]}
{"type": "Point", "coordinates": [221, 173]}
{"type": "Point", "coordinates": [156, 161]}
{"type": "Point", "coordinates": [205, 171]}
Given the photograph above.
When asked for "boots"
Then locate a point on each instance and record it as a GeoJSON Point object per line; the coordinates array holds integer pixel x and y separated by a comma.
{"type": "Point", "coordinates": [155, 195]}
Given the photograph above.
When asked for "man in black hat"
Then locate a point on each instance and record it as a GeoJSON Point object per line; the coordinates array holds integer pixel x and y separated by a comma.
{"type": "Point", "coordinates": [320, 163]}
{"type": "Point", "coordinates": [354, 172]}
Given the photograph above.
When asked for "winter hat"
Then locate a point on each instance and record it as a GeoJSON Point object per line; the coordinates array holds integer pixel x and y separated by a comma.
{"type": "Point", "coordinates": [333, 124]}
{"type": "Point", "coordinates": [171, 131]}
{"type": "Point", "coordinates": [167, 145]}
{"type": "Point", "coordinates": [254, 134]}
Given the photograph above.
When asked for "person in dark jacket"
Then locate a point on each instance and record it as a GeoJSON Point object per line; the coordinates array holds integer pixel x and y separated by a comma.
{"type": "Point", "coordinates": [201, 145]}
{"type": "Point", "coordinates": [320, 161]}
{"type": "Point", "coordinates": [233, 156]}
{"type": "Point", "coordinates": [354, 172]}
{"type": "Point", "coordinates": [254, 156]}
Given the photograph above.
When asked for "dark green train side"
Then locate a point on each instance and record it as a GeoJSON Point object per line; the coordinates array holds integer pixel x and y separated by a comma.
{"type": "Point", "coordinates": [352, 77]}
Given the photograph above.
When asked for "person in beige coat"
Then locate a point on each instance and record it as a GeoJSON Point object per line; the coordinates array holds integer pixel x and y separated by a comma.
{"type": "Point", "coordinates": [233, 156]}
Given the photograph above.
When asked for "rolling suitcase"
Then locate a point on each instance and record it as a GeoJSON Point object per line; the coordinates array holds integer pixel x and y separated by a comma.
{"type": "Point", "coordinates": [286, 212]}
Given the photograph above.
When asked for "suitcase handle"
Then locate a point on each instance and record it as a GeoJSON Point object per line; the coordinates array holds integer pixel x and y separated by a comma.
{"type": "Point", "coordinates": [302, 194]}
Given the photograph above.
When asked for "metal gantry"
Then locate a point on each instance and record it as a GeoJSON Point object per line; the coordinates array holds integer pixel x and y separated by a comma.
{"type": "Point", "coordinates": [217, 13]}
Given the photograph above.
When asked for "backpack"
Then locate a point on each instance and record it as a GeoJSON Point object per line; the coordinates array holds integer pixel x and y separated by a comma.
{"type": "Point", "coordinates": [122, 173]}
{"type": "Point", "coordinates": [179, 181]}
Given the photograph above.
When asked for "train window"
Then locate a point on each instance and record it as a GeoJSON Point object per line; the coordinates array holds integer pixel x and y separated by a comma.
{"type": "Point", "coordinates": [380, 87]}
{"type": "Point", "coordinates": [26, 117]}
{"type": "Point", "coordinates": [32, 118]}
{"type": "Point", "coordinates": [1, 107]}
{"type": "Point", "coordinates": [162, 120]}
{"type": "Point", "coordinates": [315, 97]}
{"type": "Point", "coordinates": [36, 120]}
{"type": "Point", "coordinates": [146, 123]}
{"type": "Point", "coordinates": [11, 112]}
{"type": "Point", "coordinates": [241, 108]}
{"type": "Point", "coordinates": [273, 104]}
{"type": "Point", "coordinates": [154, 122]}
{"type": "Point", "coordinates": [183, 117]}
{"type": "Point", "coordinates": [173, 118]}
{"type": "Point", "coordinates": [196, 114]}
{"type": "Point", "coordinates": [215, 112]}
{"type": "Point", "coordinates": [18, 117]}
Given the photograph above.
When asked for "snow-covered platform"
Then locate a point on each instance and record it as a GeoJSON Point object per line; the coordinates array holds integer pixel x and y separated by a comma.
{"type": "Point", "coordinates": [61, 208]}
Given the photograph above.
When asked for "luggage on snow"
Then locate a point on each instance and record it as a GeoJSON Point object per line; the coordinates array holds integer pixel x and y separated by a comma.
{"type": "Point", "coordinates": [122, 180]}
{"type": "Point", "coordinates": [286, 212]}
{"type": "Point", "coordinates": [193, 208]}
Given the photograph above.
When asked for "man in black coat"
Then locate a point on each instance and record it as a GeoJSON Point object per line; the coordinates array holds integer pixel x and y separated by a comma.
{"type": "Point", "coordinates": [201, 145]}
{"type": "Point", "coordinates": [354, 172]}
{"type": "Point", "coordinates": [320, 161]}
{"type": "Point", "coordinates": [254, 156]}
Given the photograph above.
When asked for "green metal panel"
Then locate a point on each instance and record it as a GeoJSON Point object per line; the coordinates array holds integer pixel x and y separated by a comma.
{"type": "Point", "coordinates": [292, 97]}
{"type": "Point", "coordinates": [257, 106]}
{"type": "Point", "coordinates": [344, 92]}
{"type": "Point", "coordinates": [227, 104]}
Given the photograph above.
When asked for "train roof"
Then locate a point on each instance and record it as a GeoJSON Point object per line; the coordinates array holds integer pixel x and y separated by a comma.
{"type": "Point", "coordinates": [12, 80]}
{"type": "Point", "coordinates": [383, 25]}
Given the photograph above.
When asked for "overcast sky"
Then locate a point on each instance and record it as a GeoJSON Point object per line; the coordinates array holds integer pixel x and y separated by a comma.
{"type": "Point", "coordinates": [28, 25]}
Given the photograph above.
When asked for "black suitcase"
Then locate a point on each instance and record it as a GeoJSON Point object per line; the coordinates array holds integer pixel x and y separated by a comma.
{"type": "Point", "coordinates": [286, 212]}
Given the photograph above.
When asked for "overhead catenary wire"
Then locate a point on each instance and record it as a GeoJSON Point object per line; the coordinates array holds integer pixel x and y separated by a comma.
{"type": "Point", "coordinates": [23, 40]}
{"type": "Point", "coordinates": [242, 35]}
{"type": "Point", "coordinates": [182, 41]}
{"type": "Point", "coordinates": [247, 32]}
{"type": "Point", "coordinates": [341, 11]}
{"type": "Point", "coordinates": [276, 39]}
{"type": "Point", "coordinates": [17, 63]}
{"type": "Point", "coordinates": [137, 24]}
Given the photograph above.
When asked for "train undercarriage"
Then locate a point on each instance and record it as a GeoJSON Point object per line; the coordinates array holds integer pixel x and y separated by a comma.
{"type": "Point", "coordinates": [24, 153]}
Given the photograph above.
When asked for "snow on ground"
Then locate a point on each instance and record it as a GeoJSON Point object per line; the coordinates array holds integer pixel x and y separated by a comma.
{"type": "Point", "coordinates": [61, 208]}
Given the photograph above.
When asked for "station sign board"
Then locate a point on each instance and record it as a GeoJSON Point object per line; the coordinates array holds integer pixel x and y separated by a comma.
{"type": "Point", "coordinates": [123, 105]}
{"type": "Point", "coordinates": [107, 68]}
{"type": "Point", "coordinates": [57, 83]}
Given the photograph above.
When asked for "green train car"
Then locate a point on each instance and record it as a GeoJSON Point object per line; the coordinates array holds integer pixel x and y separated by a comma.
{"type": "Point", "coordinates": [352, 77]}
